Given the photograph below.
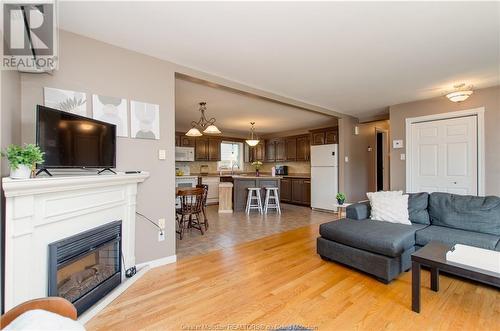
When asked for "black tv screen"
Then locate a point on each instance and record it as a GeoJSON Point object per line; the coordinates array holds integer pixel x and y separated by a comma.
{"type": "Point", "coordinates": [72, 141]}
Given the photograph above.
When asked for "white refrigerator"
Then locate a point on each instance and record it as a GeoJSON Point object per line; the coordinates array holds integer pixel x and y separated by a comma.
{"type": "Point", "coordinates": [324, 176]}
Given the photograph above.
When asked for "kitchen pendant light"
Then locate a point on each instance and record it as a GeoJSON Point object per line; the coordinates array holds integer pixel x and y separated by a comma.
{"type": "Point", "coordinates": [253, 141]}
{"type": "Point", "coordinates": [462, 93]}
{"type": "Point", "coordinates": [194, 132]}
{"type": "Point", "coordinates": [207, 125]}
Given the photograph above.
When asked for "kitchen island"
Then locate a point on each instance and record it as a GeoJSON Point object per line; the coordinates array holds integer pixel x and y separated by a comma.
{"type": "Point", "coordinates": [243, 182]}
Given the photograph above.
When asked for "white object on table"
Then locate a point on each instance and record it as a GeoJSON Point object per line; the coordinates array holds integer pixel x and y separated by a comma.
{"type": "Point", "coordinates": [475, 257]}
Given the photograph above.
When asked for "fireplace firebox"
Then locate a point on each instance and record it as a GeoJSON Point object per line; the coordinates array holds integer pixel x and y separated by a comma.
{"type": "Point", "coordinates": [85, 267]}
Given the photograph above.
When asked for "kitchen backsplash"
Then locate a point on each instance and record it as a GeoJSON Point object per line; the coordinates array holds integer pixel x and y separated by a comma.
{"type": "Point", "coordinates": [293, 167]}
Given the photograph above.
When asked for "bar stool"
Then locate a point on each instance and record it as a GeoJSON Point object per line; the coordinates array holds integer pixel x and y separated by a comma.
{"type": "Point", "coordinates": [272, 194]}
{"type": "Point", "coordinates": [251, 197]}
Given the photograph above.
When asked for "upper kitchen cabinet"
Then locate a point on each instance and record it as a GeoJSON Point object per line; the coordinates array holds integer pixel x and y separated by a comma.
{"type": "Point", "coordinates": [270, 150]}
{"type": "Point", "coordinates": [291, 149]}
{"type": "Point", "coordinates": [325, 136]}
{"type": "Point", "coordinates": [207, 149]}
{"type": "Point", "coordinates": [257, 153]}
{"type": "Point", "coordinates": [181, 140]}
{"type": "Point", "coordinates": [275, 150]}
{"type": "Point", "coordinates": [303, 148]}
{"type": "Point", "coordinates": [214, 149]}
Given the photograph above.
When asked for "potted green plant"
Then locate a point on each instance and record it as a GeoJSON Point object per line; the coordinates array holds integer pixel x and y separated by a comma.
{"type": "Point", "coordinates": [257, 165]}
{"type": "Point", "coordinates": [23, 159]}
{"type": "Point", "coordinates": [340, 198]}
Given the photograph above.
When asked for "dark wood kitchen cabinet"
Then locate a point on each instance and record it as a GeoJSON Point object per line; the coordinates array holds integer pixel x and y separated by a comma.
{"type": "Point", "coordinates": [275, 150]}
{"type": "Point", "coordinates": [207, 149]}
{"type": "Point", "coordinates": [280, 149]}
{"type": "Point", "coordinates": [325, 136]}
{"type": "Point", "coordinates": [258, 152]}
{"type": "Point", "coordinates": [270, 150]}
{"type": "Point", "coordinates": [214, 149]}
{"type": "Point", "coordinates": [296, 191]}
{"type": "Point", "coordinates": [181, 140]}
{"type": "Point", "coordinates": [286, 190]}
{"type": "Point", "coordinates": [303, 151]}
{"type": "Point", "coordinates": [291, 149]}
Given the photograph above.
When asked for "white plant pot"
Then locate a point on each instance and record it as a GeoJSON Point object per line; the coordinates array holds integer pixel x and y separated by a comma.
{"type": "Point", "coordinates": [22, 172]}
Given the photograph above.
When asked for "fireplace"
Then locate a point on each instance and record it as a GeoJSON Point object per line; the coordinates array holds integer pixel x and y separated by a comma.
{"type": "Point", "coordinates": [85, 267]}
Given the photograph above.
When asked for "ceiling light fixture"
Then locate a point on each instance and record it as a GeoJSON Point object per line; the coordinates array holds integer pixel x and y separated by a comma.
{"type": "Point", "coordinates": [207, 125]}
{"type": "Point", "coordinates": [462, 93]}
{"type": "Point", "coordinates": [253, 141]}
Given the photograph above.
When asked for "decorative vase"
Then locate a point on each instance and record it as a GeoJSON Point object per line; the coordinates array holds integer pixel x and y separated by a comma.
{"type": "Point", "coordinates": [257, 174]}
{"type": "Point", "coordinates": [341, 201]}
{"type": "Point", "coordinates": [22, 172]}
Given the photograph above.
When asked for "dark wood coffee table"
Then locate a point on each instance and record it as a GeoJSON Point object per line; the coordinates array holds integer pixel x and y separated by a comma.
{"type": "Point", "coordinates": [433, 255]}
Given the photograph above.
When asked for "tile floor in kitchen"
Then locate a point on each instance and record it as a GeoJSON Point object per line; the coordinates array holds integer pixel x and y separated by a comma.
{"type": "Point", "coordinates": [226, 230]}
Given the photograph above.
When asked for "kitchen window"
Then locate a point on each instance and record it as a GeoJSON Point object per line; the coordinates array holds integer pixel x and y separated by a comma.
{"type": "Point", "coordinates": [231, 156]}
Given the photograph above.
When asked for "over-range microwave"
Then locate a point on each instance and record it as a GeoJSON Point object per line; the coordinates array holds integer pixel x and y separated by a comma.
{"type": "Point", "coordinates": [185, 154]}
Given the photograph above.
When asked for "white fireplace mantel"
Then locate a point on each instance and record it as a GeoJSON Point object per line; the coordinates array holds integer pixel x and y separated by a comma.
{"type": "Point", "coordinates": [40, 211]}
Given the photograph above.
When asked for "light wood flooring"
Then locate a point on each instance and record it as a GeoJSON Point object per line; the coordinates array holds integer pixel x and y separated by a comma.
{"type": "Point", "coordinates": [279, 280]}
{"type": "Point", "coordinates": [227, 230]}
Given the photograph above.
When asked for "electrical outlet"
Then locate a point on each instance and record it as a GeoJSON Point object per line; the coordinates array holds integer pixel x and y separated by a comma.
{"type": "Point", "coordinates": [161, 223]}
{"type": "Point", "coordinates": [162, 154]}
{"type": "Point", "coordinates": [161, 235]}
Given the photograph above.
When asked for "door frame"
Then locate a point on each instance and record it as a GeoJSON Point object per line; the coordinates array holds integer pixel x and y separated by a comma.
{"type": "Point", "coordinates": [479, 113]}
{"type": "Point", "coordinates": [386, 161]}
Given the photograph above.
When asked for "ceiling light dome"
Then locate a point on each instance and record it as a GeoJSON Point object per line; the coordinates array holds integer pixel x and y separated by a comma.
{"type": "Point", "coordinates": [462, 94]}
{"type": "Point", "coordinates": [212, 129]}
{"type": "Point", "coordinates": [253, 141]}
{"type": "Point", "coordinates": [194, 132]}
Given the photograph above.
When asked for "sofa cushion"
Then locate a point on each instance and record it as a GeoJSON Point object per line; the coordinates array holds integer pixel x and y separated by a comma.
{"type": "Point", "coordinates": [465, 212]}
{"type": "Point", "coordinates": [417, 207]}
{"type": "Point", "coordinates": [389, 239]}
{"type": "Point", "coordinates": [359, 211]}
{"type": "Point", "coordinates": [456, 236]}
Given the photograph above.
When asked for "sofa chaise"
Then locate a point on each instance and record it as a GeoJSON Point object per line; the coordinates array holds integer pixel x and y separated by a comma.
{"type": "Point", "coordinates": [383, 249]}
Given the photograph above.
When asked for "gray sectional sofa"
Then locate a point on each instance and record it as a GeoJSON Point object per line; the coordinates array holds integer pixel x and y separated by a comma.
{"type": "Point", "coordinates": [383, 249]}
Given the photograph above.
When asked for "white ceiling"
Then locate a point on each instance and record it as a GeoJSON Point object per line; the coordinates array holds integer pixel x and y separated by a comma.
{"type": "Point", "coordinates": [234, 111]}
{"type": "Point", "coordinates": [352, 57]}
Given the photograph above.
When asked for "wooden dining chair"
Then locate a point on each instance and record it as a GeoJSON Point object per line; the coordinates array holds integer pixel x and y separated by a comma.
{"type": "Point", "coordinates": [189, 215]}
{"type": "Point", "coordinates": [204, 206]}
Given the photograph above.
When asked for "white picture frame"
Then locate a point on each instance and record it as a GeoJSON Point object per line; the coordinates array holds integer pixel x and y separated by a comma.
{"type": "Point", "coordinates": [144, 120]}
{"type": "Point", "coordinates": [66, 100]}
{"type": "Point", "coordinates": [111, 110]}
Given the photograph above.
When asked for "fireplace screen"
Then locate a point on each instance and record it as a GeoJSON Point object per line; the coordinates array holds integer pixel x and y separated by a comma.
{"type": "Point", "coordinates": [81, 275]}
{"type": "Point", "coordinates": [86, 267]}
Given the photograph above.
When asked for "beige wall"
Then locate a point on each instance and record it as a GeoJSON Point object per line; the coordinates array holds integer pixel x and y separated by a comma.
{"type": "Point", "coordinates": [357, 176]}
{"type": "Point", "coordinates": [488, 98]}
{"type": "Point", "coordinates": [94, 67]}
{"type": "Point", "coordinates": [10, 114]}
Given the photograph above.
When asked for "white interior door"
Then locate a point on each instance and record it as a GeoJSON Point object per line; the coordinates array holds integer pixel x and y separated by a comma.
{"type": "Point", "coordinates": [444, 156]}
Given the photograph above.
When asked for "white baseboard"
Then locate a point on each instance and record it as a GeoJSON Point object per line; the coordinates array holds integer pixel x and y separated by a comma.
{"type": "Point", "coordinates": [159, 262]}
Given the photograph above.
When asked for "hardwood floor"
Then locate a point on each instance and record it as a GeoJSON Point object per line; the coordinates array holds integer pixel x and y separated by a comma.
{"type": "Point", "coordinates": [228, 230]}
{"type": "Point", "coordinates": [279, 280]}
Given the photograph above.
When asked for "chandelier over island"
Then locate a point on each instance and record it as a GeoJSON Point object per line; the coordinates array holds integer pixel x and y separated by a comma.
{"type": "Point", "coordinates": [253, 140]}
{"type": "Point", "coordinates": [203, 124]}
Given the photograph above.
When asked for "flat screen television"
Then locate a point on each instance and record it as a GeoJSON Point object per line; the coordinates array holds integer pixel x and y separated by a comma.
{"type": "Point", "coordinates": [73, 141]}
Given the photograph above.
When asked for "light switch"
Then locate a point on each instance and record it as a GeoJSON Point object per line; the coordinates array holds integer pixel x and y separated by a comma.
{"type": "Point", "coordinates": [162, 155]}
{"type": "Point", "coordinates": [402, 156]}
{"type": "Point", "coordinates": [397, 144]}
{"type": "Point", "coordinates": [346, 159]}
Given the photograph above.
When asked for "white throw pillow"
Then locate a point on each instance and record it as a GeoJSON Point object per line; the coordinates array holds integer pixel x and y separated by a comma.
{"type": "Point", "coordinates": [389, 207]}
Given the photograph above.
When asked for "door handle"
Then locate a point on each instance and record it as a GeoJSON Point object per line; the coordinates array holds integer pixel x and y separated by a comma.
{"type": "Point", "coordinates": [455, 183]}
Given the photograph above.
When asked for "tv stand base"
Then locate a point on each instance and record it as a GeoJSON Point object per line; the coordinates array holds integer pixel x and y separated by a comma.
{"type": "Point", "coordinates": [43, 170]}
{"type": "Point", "coordinates": [105, 169]}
